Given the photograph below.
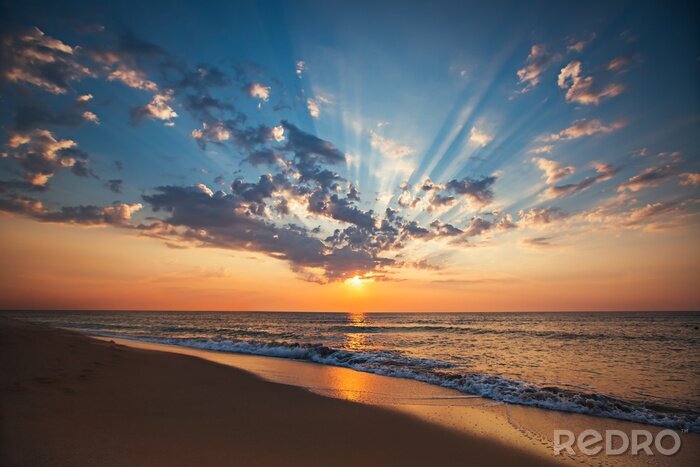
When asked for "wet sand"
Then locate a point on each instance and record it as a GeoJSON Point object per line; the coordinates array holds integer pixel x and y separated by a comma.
{"type": "Point", "coordinates": [68, 399]}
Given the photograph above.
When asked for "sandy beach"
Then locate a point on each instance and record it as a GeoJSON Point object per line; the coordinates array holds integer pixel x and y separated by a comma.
{"type": "Point", "coordinates": [67, 399]}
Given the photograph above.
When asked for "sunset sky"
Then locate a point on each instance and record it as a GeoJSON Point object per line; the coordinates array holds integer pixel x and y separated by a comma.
{"type": "Point", "coordinates": [408, 156]}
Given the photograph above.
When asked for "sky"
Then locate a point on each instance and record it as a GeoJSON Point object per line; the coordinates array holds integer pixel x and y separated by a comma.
{"type": "Point", "coordinates": [372, 156]}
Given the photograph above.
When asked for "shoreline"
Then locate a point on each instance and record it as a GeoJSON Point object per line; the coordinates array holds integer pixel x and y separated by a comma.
{"type": "Point", "coordinates": [205, 351]}
{"type": "Point", "coordinates": [68, 399]}
{"type": "Point", "coordinates": [426, 418]}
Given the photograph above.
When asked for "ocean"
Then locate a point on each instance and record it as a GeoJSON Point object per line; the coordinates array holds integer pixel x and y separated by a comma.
{"type": "Point", "coordinates": [642, 367]}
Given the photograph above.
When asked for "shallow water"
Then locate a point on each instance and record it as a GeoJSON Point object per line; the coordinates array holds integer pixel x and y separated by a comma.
{"type": "Point", "coordinates": [642, 367]}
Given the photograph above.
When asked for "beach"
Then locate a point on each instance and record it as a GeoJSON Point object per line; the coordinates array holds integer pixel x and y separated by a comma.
{"type": "Point", "coordinates": [68, 399]}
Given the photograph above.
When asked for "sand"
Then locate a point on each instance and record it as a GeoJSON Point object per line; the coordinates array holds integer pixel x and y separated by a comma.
{"type": "Point", "coordinates": [67, 399]}
{"type": "Point", "coordinates": [525, 428]}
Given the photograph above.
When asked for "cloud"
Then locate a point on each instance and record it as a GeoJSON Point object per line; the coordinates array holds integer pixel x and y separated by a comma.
{"type": "Point", "coordinates": [91, 117]}
{"type": "Point", "coordinates": [32, 57]}
{"type": "Point", "coordinates": [479, 192]}
{"type": "Point", "coordinates": [259, 91]}
{"type": "Point", "coordinates": [41, 154]}
{"type": "Point", "coordinates": [133, 78]}
{"type": "Point", "coordinates": [159, 108]}
{"type": "Point", "coordinates": [117, 214]}
{"type": "Point", "coordinates": [538, 241]}
{"type": "Point", "coordinates": [618, 64]}
{"type": "Point", "coordinates": [579, 46]}
{"type": "Point", "coordinates": [300, 68]}
{"type": "Point", "coordinates": [537, 62]}
{"type": "Point", "coordinates": [581, 128]}
{"type": "Point", "coordinates": [478, 137]}
{"type": "Point", "coordinates": [307, 147]}
{"type": "Point", "coordinates": [546, 149]}
{"type": "Point", "coordinates": [215, 133]}
{"type": "Point", "coordinates": [115, 185]}
{"type": "Point", "coordinates": [603, 172]}
{"type": "Point", "coordinates": [264, 157]}
{"type": "Point", "coordinates": [388, 147]}
{"type": "Point", "coordinates": [477, 226]}
{"type": "Point", "coordinates": [221, 220]}
{"type": "Point", "coordinates": [29, 116]}
{"type": "Point", "coordinates": [690, 179]}
{"type": "Point", "coordinates": [405, 199]}
{"type": "Point", "coordinates": [642, 215]}
{"type": "Point", "coordinates": [540, 216]}
{"type": "Point", "coordinates": [442, 229]}
{"type": "Point", "coordinates": [582, 89]}
{"type": "Point", "coordinates": [552, 170]}
{"type": "Point", "coordinates": [506, 223]}
{"type": "Point", "coordinates": [313, 108]}
{"type": "Point", "coordinates": [278, 133]}
{"type": "Point", "coordinates": [648, 178]}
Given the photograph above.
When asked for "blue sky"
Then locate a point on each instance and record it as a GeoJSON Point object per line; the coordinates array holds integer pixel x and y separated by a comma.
{"type": "Point", "coordinates": [535, 122]}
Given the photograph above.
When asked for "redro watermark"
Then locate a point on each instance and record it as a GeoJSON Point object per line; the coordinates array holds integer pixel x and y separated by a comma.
{"type": "Point", "coordinates": [591, 442]}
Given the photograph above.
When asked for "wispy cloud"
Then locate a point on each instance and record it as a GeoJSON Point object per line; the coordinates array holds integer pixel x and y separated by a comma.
{"type": "Point", "coordinates": [388, 147]}
{"type": "Point", "coordinates": [604, 172]}
{"type": "Point", "coordinates": [581, 128]}
{"type": "Point", "coordinates": [583, 89]}
{"type": "Point", "coordinates": [313, 108]}
{"type": "Point", "coordinates": [538, 61]}
{"type": "Point", "coordinates": [552, 169]}
{"type": "Point", "coordinates": [648, 178]}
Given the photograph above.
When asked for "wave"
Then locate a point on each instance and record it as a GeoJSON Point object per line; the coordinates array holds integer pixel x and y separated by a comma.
{"type": "Point", "coordinates": [435, 372]}
{"type": "Point", "coordinates": [545, 334]}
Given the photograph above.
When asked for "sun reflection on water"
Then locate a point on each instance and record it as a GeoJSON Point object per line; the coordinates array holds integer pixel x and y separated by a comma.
{"type": "Point", "coordinates": [356, 341]}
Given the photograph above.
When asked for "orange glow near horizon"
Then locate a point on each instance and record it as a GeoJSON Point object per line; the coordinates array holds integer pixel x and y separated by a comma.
{"type": "Point", "coordinates": [99, 268]}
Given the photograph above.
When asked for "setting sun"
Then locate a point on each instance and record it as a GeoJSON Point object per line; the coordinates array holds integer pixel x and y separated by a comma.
{"type": "Point", "coordinates": [355, 281]}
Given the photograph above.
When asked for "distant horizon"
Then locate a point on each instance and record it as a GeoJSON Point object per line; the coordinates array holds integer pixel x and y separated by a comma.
{"type": "Point", "coordinates": [29, 310]}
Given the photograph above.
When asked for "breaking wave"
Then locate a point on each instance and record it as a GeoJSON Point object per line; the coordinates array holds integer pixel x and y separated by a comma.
{"type": "Point", "coordinates": [439, 373]}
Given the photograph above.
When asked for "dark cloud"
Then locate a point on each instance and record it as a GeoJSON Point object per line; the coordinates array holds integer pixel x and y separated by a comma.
{"type": "Point", "coordinates": [19, 185]}
{"type": "Point", "coordinates": [445, 230]}
{"type": "Point", "coordinates": [117, 214]}
{"type": "Point", "coordinates": [40, 154]}
{"type": "Point", "coordinates": [308, 148]}
{"type": "Point", "coordinates": [478, 191]}
{"type": "Point", "coordinates": [538, 241]}
{"type": "Point", "coordinates": [648, 178]}
{"type": "Point", "coordinates": [224, 220]}
{"type": "Point", "coordinates": [477, 226]}
{"type": "Point", "coordinates": [30, 57]}
{"type": "Point", "coordinates": [341, 209]}
{"type": "Point", "coordinates": [538, 216]}
{"type": "Point", "coordinates": [34, 115]}
{"type": "Point", "coordinates": [263, 157]}
{"type": "Point", "coordinates": [115, 185]}
{"type": "Point", "coordinates": [604, 172]}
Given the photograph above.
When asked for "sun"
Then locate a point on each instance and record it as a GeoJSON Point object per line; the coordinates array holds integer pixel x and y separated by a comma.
{"type": "Point", "coordinates": [355, 281]}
